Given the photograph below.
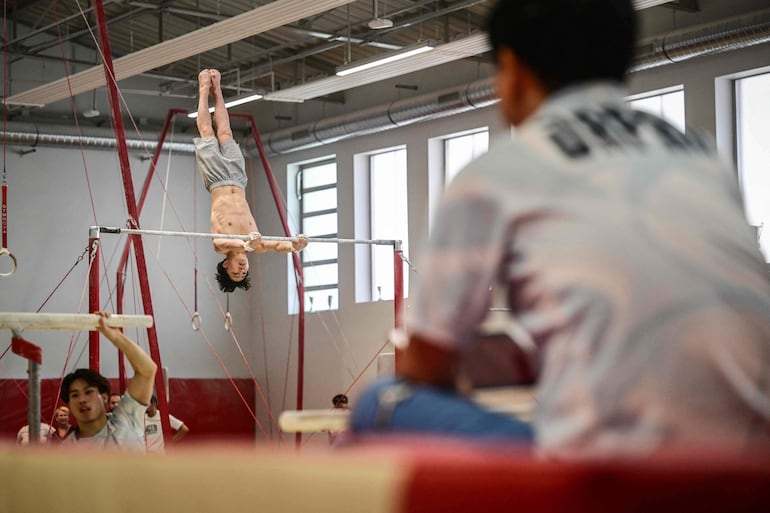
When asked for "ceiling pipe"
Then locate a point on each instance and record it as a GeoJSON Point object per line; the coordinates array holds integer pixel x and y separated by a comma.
{"type": "Point", "coordinates": [433, 105]}
{"type": "Point", "coordinates": [681, 45]}
{"type": "Point", "coordinates": [32, 136]}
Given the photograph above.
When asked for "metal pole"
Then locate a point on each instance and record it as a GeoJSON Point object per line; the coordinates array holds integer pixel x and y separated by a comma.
{"type": "Point", "coordinates": [128, 188]}
{"type": "Point", "coordinates": [398, 292]}
{"type": "Point", "coordinates": [300, 342]}
{"type": "Point", "coordinates": [121, 272]}
{"type": "Point", "coordinates": [33, 411]}
{"type": "Point", "coordinates": [235, 236]}
{"type": "Point", "coordinates": [121, 277]}
{"type": "Point", "coordinates": [297, 269]}
{"type": "Point", "coordinates": [398, 285]}
{"type": "Point", "coordinates": [93, 296]}
{"type": "Point", "coordinates": [34, 355]}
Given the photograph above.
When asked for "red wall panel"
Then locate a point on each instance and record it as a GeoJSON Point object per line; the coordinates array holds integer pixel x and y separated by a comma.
{"type": "Point", "coordinates": [211, 408]}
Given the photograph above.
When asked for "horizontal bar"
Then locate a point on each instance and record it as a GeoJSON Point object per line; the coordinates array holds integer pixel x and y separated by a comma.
{"type": "Point", "coordinates": [335, 240]}
{"type": "Point", "coordinates": [133, 231]}
{"type": "Point", "coordinates": [331, 240]}
{"type": "Point", "coordinates": [61, 321]}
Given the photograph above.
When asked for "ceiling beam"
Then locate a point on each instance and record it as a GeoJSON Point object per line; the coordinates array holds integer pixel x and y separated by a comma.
{"type": "Point", "coordinates": [83, 32]}
{"type": "Point", "coordinates": [261, 19]}
{"type": "Point", "coordinates": [338, 37]}
{"type": "Point", "coordinates": [196, 13]}
{"type": "Point", "coordinates": [52, 26]}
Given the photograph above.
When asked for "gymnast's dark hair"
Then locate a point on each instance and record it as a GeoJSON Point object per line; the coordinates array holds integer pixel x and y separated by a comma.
{"type": "Point", "coordinates": [339, 399]}
{"type": "Point", "coordinates": [226, 284]}
{"type": "Point", "coordinates": [91, 377]}
{"type": "Point", "coordinates": [567, 41]}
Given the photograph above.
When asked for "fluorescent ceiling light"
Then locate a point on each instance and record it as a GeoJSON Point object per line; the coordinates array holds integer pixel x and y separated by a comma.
{"type": "Point", "coordinates": [239, 100]}
{"type": "Point", "coordinates": [285, 99]}
{"type": "Point", "coordinates": [644, 4]}
{"type": "Point", "coordinates": [252, 97]}
{"type": "Point", "coordinates": [379, 60]}
{"type": "Point", "coordinates": [267, 17]}
{"type": "Point", "coordinates": [194, 114]}
{"type": "Point", "coordinates": [475, 44]}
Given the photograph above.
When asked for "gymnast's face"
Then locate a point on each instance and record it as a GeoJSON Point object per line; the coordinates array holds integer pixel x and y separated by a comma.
{"type": "Point", "coordinates": [237, 266]}
{"type": "Point", "coordinates": [86, 403]}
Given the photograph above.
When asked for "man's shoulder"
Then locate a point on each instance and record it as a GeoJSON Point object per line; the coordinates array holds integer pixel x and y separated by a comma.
{"type": "Point", "coordinates": [128, 407]}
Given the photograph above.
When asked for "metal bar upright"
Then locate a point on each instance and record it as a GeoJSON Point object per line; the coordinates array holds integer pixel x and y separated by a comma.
{"type": "Point", "coordinates": [297, 267]}
{"type": "Point", "coordinates": [120, 290]}
{"type": "Point", "coordinates": [34, 356]}
{"type": "Point", "coordinates": [33, 408]}
{"type": "Point", "coordinates": [398, 292]}
{"type": "Point", "coordinates": [398, 285]}
{"type": "Point", "coordinates": [93, 295]}
{"type": "Point", "coordinates": [128, 188]}
{"type": "Point", "coordinates": [121, 272]}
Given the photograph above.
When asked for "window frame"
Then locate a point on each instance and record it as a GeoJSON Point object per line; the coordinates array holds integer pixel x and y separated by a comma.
{"type": "Point", "coordinates": [308, 265]}
{"type": "Point", "coordinates": [680, 123]}
{"type": "Point", "coordinates": [365, 261]}
{"type": "Point", "coordinates": [748, 192]}
{"type": "Point", "coordinates": [453, 137]}
{"type": "Point", "coordinates": [437, 171]}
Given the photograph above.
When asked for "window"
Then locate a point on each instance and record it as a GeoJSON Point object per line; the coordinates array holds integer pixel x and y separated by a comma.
{"type": "Point", "coordinates": [317, 194]}
{"type": "Point", "coordinates": [459, 150]}
{"type": "Point", "coordinates": [752, 97]}
{"type": "Point", "coordinates": [666, 103]}
{"type": "Point", "coordinates": [381, 213]}
{"type": "Point", "coordinates": [447, 155]}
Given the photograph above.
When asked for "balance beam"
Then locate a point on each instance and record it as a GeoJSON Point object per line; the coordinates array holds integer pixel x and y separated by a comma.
{"type": "Point", "coordinates": [62, 321]}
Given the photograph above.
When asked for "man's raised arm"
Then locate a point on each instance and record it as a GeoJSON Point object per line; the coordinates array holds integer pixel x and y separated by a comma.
{"type": "Point", "coordinates": [139, 386]}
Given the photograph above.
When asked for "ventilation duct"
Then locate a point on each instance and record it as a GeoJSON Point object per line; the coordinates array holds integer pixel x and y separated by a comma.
{"type": "Point", "coordinates": [377, 119]}
{"type": "Point", "coordinates": [731, 34]}
{"type": "Point", "coordinates": [34, 136]}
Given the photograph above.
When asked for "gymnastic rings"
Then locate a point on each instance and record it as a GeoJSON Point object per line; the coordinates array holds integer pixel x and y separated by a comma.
{"type": "Point", "coordinates": [196, 322]}
{"type": "Point", "coordinates": [228, 321]}
{"type": "Point", "coordinates": [6, 252]}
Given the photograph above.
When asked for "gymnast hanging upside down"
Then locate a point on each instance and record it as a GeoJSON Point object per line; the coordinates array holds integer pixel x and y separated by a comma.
{"type": "Point", "coordinates": [222, 168]}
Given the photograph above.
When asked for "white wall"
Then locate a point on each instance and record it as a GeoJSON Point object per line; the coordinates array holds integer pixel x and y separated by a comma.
{"type": "Point", "coordinates": [49, 213]}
